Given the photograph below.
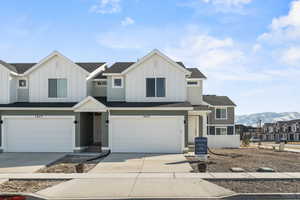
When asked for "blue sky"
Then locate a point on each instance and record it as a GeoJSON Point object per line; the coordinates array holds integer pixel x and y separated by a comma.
{"type": "Point", "coordinates": [248, 49]}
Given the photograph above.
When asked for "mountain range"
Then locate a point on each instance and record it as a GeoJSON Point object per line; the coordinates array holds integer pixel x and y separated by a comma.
{"type": "Point", "coordinates": [266, 117]}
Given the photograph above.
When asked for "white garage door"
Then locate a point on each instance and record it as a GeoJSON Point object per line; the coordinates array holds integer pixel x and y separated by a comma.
{"type": "Point", "coordinates": [154, 134]}
{"type": "Point", "coordinates": [38, 134]}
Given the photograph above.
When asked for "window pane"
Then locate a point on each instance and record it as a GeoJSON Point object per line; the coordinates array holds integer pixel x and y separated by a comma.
{"type": "Point", "coordinates": [211, 130]}
{"type": "Point", "coordinates": [192, 83]}
{"type": "Point", "coordinates": [118, 82]}
{"type": "Point", "coordinates": [161, 87]}
{"type": "Point", "coordinates": [223, 131]}
{"type": "Point", "coordinates": [230, 130]}
{"type": "Point", "coordinates": [218, 113]}
{"type": "Point", "coordinates": [22, 83]}
{"type": "Point", "coordinates": [150, 87]}
{"type": "Point", "coordinates": [218, 131]}
{"type": "Point", "coordinates": [52, 88]}
{"type": "Point", "coordinates": [223, 113]}
{"type": "Point", "coordinates": [62, 88]}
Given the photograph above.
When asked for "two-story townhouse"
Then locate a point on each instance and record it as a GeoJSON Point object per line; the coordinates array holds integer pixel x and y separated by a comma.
{"type": "Point", "coordinates": [153, 105]}
{"type": "Point", "coordinates": [289, 130]}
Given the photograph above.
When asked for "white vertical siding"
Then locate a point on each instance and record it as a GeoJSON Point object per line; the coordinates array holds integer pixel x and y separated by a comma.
{"type": "Point", "coordinates": [4, 85]}
{"type": "Point", "coordinates": [155, 66]}
{"type": "Point", "coordinates": [13, 90]}
{"type": "Point", "coordinates": [194, 94]}
{"type": "Point", "coordinates": [57, 67]}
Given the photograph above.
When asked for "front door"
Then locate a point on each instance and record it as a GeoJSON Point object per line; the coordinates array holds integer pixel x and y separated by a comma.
{"type": "Point", "coordinates": [193, 128]}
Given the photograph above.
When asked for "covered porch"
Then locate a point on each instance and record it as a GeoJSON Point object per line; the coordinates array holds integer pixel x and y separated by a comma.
{"type": "Point", "coordinates": [93, 125]}
{"type": "Point", "coordinates": [197, 124]}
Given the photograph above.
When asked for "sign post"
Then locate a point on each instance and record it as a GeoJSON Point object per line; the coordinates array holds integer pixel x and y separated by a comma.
{"type": "Point", "coordinates": [201, 147]}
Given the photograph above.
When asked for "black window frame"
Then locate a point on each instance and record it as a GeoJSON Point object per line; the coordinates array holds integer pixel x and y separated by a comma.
{"type": "Point", "coordinates": [153, 88]}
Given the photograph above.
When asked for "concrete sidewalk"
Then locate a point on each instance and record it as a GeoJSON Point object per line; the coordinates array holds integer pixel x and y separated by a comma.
{"type": "Point", "coordinates": [139, 187]}
{"type": "Point", "coordinates": [250, 175]}
{"type": "Point", "coordinates": [26, 162]}
{"type": "Point", "coordinates": [142, 163]}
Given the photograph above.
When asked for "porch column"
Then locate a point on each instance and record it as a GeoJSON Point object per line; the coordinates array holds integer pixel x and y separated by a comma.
{"type": "Point", "coordinates": [204, 124]}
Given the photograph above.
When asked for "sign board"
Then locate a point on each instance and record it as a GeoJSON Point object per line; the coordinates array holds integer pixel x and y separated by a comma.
{"type": "Point", "coordinates": [200, 146]}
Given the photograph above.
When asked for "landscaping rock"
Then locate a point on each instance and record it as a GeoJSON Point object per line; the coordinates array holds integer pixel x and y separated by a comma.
{"type": "Point", "coordinates": [265, 169]}
{"type": "Point", "coordinates": [237, 169]}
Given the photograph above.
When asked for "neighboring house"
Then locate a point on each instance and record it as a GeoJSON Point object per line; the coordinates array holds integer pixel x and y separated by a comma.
{"type": "Point", "coordinates": [289, 130]}
{"type": "Point", "coordinates": [153, 105]}
{"type": "Point", "coordinates": [246, 131]}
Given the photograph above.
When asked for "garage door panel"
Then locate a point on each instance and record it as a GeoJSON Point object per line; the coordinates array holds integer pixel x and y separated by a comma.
{"type": "Point", "coordinates": [149, 134]}
{"type": "Point", "coordinates": [30, 134]}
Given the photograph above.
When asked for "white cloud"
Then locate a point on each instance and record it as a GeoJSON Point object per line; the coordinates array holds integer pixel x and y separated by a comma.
{"type": "Point", "coordinates": [284, 28]}
{"type": "Point", "coordinates": [228, 6]}
{"type": "Point", "coordinates": [256, 48]}
{"type": "Point", "coordinates": [106, 7]}
{"type": "Point", "coordinates": [206, 51]}
{"type": "Point", "coordinates": [291, 56]}
{"type": "Point", "coordinates": [127, 21]}
{"type": "Point", "coordinates": [228, 2]}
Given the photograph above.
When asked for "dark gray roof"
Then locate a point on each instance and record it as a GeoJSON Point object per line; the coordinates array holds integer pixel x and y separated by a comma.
{"type": "Point", "coordinates": [215, 100]}
{"type": "Point", "coordinates": [196, 73]}
{"type": "Point", "coordinates": [21, 68]}
{"type": "Point", "coordinates": [119, 67]}
{"type": "Point", "coordinates": [90, 66]}
{"type": "Point", "coordinates": [201, 107]}
{"type": "Point", "coordinates": [8, 66]}
{"type": "Point", "coordinates": [104, 101]}
{"type": "Point", "coordinates": [39, 105]}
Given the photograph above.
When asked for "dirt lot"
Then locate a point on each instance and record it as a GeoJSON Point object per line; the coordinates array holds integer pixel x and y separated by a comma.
{"type": "Point", "coordinates": [29, 186]}
{"type": "Point", "coordinates": [271, 186]}
{"type": "Point", "coordinates": [251, 159]}
{"type": "Point", "coordinates": [67, 164]}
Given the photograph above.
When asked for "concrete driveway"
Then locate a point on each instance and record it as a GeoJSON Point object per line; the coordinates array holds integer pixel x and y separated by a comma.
{"type": "Point", "coordinates": [142, 163]}
{"type": "Point", "coordinates": [26, 162]}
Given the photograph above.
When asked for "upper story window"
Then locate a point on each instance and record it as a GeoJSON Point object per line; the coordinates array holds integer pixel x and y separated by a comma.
{"type": "Point", "coordinates": [221, 113]}
{"type": "Point", "coordinates": [22, 83]}
{"type": "Point", "coordinates": [155, 87]}
{"type": "Point", "coordinates": [192, 83]}
{"type": "Point", "coordinates": [57, 88]}
{"type": "Point", "coordinates": [117, 82]}
{"type": "Point", "coordinates": [101, 83]}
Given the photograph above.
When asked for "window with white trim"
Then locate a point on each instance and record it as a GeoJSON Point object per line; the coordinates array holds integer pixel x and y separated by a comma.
{"type": "Point", "coordinates": [221, 113]}
{"type": "Point", "coordinates": [155, 87]}
{"type": "Point", "coordinates": [22, 83]}
{"type": "Point", "coordinates": [100, 83]}
{"type": "Point", "coordinates": [221, 131]}
{"type": "Point", "coordinates": [117, 82]}
{"type": "Point", "coordinates": [57, 88]}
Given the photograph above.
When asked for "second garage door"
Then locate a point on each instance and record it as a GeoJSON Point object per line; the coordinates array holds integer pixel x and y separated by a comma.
{"type": "Point", "coordinates": [38, 133]}
{"type": "Point", "coordinates": [146, 134]}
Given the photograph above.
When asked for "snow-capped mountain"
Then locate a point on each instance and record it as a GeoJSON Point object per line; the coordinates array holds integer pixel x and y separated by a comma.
{"type": "Point", "coordinates": [267, 117]}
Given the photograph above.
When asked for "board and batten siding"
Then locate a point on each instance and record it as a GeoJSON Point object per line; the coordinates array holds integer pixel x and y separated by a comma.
{"type": "Point", "coordinates": [57, 67]}
{"type": "Point", "coordinates": [194, 94]}
{"type": "Point", "coordinates": [23, 94]}
{"type": "Point", "coordinates": [155, 66]}
{"type": "Point", "coordinates": [4, 85]}
{"type": "Point", "coordinates": [13, 90]}
{"type": "Point", "coordinates": [115, 94]}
